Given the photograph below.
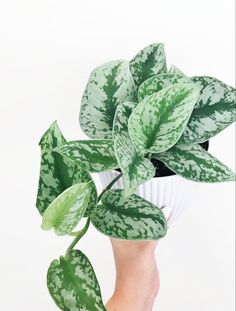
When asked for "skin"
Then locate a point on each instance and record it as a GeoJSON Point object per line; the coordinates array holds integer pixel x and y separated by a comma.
{"type": "Point", "coordinates": [137, 277]}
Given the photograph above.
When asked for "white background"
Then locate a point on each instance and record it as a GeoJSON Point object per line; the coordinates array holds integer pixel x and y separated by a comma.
{"type": "Point", "coordinates": [48, 49]}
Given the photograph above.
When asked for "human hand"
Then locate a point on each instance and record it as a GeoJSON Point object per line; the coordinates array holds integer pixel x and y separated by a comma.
{"type": "Point", "coordinates": [137, 278]}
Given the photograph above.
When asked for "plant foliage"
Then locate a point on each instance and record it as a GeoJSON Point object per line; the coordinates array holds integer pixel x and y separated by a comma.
{"type": "Point", "coordinates": [133, 112]}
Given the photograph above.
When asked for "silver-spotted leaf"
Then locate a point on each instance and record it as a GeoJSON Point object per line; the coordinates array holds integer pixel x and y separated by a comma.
{"type": "Point", "coordinates": [148, 62]}
{"type": "Point", "coordinates": [131, 219]}
{"type": "Point", "coordinates": [120, 124]}
{"type": "Point", "coordinates": [159, 82]}
{"type": "Point", "coordinates": [92, 155]}
{"type": "Point", "coordinates": [67, 168]}
{"type": "Point", "coordinates": [58, 173]}
{"type": "Point", "coordinates": [158, 121]}
{"type": "Point", "coordinates": [73, 284]}
{"type": "Point", "coordinates": [108, 86]}
{"type": "Point", "coordinates": [51, 138]}
{"type": "Point", "coordinates": [135, 168]}
{"type": "Point", "coordinates": [213, 112]}
{"type": "Point", "coordinates": [65, 212]}
{"type": "Point", "coordinates": [195, 163]}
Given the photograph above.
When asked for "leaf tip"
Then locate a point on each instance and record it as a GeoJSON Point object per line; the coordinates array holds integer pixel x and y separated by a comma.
{"type": "Point", "coordinates": [45, 226]}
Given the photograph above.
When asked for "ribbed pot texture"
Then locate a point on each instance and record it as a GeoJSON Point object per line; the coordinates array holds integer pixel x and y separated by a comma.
{"type": "Point", "coordinates": [173, 193]}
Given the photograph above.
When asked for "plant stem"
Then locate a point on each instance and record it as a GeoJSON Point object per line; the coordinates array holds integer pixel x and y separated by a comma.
{"type": "Point", "coordinates": [82, 232]}
{"type": "Point", "coordinates": [79, 235]}
{"type": "Point", "coordinates": [109, 186]}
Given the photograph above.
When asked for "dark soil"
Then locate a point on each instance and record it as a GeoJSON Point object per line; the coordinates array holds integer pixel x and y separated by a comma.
{"type": "Point", "coordinates": [162, 170]}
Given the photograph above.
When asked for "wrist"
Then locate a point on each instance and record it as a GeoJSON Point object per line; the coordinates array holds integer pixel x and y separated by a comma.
{"type": "Point", "coordinates": [137, 278]}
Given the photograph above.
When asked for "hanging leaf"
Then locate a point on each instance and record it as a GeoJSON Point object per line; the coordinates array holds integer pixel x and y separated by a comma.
{"type": "Point", "coordinates": [157, 123]}
{"type": "Point", "coordinates": [159, 82]}
{"type": "Point", "coordinates": [131, 219]}
{"type": "Point", "coordinates": [73, 284]}
{"type": "Point", "coordinates": [174, 69]}
{"type": "Point", "coordinates": [108, 86]}
{"type": "Point", "coordinates": [194, 163]}
{"type": "Point", "coordinates": [214, 110]}
{"type": "Point", "coordinates": [92, 155]}
{"type": "Point", "coordinates": [65, 212]}
{"type": "Point", "coordinates": [58, 173]}
{"type": "Point", "coordinates": [79, 175]}
{"type": "Point", "coordinates": [148, 62]}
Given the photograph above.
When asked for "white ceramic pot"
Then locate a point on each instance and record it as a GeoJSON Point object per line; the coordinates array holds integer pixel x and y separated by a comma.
{"type": "Point", "coordinates": [173, 193]}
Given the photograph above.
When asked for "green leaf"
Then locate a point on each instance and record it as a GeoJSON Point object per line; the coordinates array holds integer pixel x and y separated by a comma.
{"type": "Point", "coordinates": [148, 62]}
{"type": "Point", "coordinates": [157, 123]}
{"type": "Point", "coordinates": [159, 82]}
{"type": "Point", "coordinates": [92, 155]}
{"type": "Point", "coordinates": [57, 173]}
{"type": "Point", "coordinates": [174, 69]}
{"type": "Point", "coordinates": [131, 219]}
{"type": "Point", "coordinates": [123, 112]}
{"type": "Point", "coordinates": [65, 212]}
{"type": "Point", "coordinates": [214, 110]}
{"type": "Point", "coordinates": [51, 138]}
{"type": "Point", "coordinates": [135, 168]}
{"type": "Point", "coordinates": [73, 284]}
{"type": "Point", "coordinates": [194, 163]}
{"type": "Point", "coordinates": [108, 86]}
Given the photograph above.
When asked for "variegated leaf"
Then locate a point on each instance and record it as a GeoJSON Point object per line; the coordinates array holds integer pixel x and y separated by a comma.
{"type": "Point", "coordinates": [51, 138]}
{"type": "Point", "coordinates": [92, 155]}
{"type": "Point", "coordinates": [68, 170]}
{"type": "Point", "coordinates": [213, 112]}
{"type": "Point", "coordinates": [58, 173]}
{"type": "Point", "coordinates": [135, 168]}
{"type": "Point", "coordinates": [65, 212]}
{"type": "Point", "coordinates": [157, 123]}
{"type": "Point", "coordinates": [73, 284]}
{"type": "Point", "coordinates": [148, 62]}
{"type": "Point", "coordinates": [131, 219]}
{"type": "Point", "coordinates": [159, 82]}
{"type": "Point", "coordinates": [194, 163]}
{"type": "Point", "coordinates": [174, 69]}
{"type": "Point", "coordinates": [108, 86]}
{"type": "Point", "coordinates": [123, 112]}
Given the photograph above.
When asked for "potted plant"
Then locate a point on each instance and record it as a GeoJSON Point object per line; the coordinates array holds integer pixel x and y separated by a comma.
{"type": "Point", "coordinates": [145, 124]}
